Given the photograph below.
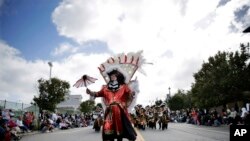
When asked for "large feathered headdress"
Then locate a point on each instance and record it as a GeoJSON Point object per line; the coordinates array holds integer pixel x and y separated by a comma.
{"type": "Point", "coordinates": [127, 64]}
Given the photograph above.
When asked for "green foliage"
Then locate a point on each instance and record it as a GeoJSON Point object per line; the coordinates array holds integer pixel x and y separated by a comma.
{"type": "Point", "coordinates": [222, 79]}
{"type": "Point", "coordinates": [87, 106]}
{"type": "Point", "coordinates": [180, 100]}
{"type": "Point", "coordinates": [51, 93]}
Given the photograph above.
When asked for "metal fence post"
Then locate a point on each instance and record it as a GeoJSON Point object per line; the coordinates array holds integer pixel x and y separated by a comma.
{"type": "Point", "coordinates": [4, 106]}
{"type": "Point", "coordinates": [22, 108]}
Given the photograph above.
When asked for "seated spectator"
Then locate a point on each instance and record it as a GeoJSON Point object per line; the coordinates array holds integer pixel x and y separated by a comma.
{"type": "Point", "coordinates": [245, 115]}
{"type": "Point", "coordinates": [20, 124]}
{"type": "Point", "coordinates": [11, 123]}
{"type": "Point", "coordinates": [47, 126]}
{"type": "Point", "coordinates": [58, 121]}
{"type": "Point", "coordinates": [68, 122]}
{"type": "Point", "coordinates": [231, 117]}
{"type": "Point", "coordinates": [224, 116]}
{"type": "Point", "coordinates": [63, 125]}
{"type": "Point", "coordinates": [27, 120]}
{"type": "Point", "coordinates": [244, 112]}
{"type": "Point", "coordinates": [84, 123]}
{"type": "Point", "coordinates": [13, 129]}
{"type": "Point", "coordinates": [217, 122]}
{"type": "Point", "coordinates": [5, 115]}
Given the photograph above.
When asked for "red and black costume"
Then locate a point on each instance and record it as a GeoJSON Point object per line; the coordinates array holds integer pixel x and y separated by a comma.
{"type": "Point", "coordinates": [116, 119]}
{"type": "Point", "coordinates": [117, 95]}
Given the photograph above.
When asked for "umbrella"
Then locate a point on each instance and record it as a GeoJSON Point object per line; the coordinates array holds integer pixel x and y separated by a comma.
{"type": "Point", "coordinates": [84, 81]}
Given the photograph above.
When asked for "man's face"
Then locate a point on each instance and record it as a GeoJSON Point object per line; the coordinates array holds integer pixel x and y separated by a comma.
{"type": "Point", "coordinates": [113, 77]}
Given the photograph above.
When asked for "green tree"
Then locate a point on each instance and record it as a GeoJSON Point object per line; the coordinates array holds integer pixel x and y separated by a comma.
{"type": "Point", "coordinates": [87, 106]}
{"type": "Point", "coordinates": [210, 81]}
{"type": "Point", "coordinates": [222, 79]}
{"type": "Point", "coordinates": [179, 101]}
{"type": "Point", "coordinates": [51, 92]}
{"type": "Point", "coordinates": [239, 77]}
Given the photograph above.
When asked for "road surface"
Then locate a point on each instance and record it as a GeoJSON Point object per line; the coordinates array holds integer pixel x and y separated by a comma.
{"type": "Point", "coordinates": [175, 132]}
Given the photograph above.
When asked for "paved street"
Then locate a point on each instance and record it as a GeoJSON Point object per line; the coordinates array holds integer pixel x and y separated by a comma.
{"type": "Point", "coordinates": [187, 132]}
{"type": "Point", "coordinates": [77, 134]}
{"type": "Point", "coordinates": [175, 132]}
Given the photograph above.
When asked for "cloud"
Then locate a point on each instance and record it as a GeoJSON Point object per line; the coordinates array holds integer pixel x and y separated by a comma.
{"type": "Point", "coordinates": [64, 48]}
{"type": "Point", "coordinates": [89, 47]}
{"type": "Point", "coordinates": [185, 71]}
{"type": "Point", "coordinates": [18, 76]}
{"type": "Point", "coordinates": [183, 6]}
{"type": "Point", "coordinates": [176, 36]}
{"type": "Point", "coordinates": [95, 46]}
{"type": "Point", "coordinates": [223, 2]}
{"type": "Point", "coordinates": [168, 54]}
{"type": "Point", "coordinates": [241, 13]}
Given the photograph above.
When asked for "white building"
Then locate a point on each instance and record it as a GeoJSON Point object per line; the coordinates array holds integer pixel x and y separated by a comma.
{"type": "Point", "coordinates": [70, 104]}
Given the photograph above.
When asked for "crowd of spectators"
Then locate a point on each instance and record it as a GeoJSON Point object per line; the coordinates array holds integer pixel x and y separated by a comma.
{"type": "Point", "coordinates": [13, 126]}
{"type": "Point", "coordinates": [213, 117]}
{"type": "Point", "coordinates": [150, 116]}
{"type": "Point", "coordinates": [50, 121]}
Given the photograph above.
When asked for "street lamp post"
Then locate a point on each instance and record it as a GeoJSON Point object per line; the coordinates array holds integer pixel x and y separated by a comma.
{"type": "Point", "coordinates": [50, 65]}
{"type": "Point", "coordinates": [168, 95]}
{"type": "Point", "coordinates": [169, 90]}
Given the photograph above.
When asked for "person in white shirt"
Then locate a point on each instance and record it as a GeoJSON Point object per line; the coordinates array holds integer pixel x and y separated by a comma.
{"type": "Point", "coordinates": [244, 112]}
{"type": "Point", "coordinates": [54, 117]}
{"type": "Point", "coordinates": [20, 124]}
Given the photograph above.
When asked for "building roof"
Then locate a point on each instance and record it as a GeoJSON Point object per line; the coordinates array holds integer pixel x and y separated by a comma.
{"type": "Point", "coordinates": [73, 101]}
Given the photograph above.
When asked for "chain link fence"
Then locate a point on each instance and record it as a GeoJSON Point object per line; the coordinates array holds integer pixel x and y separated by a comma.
{"type": "Point", "coordinates": [19, 108]}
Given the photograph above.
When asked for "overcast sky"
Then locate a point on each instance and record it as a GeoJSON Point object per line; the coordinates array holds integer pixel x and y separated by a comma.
{"type": "Point", "coordinates": [177, 36]}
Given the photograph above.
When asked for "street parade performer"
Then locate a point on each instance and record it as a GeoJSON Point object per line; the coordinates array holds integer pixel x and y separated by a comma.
{"type": "Point", "coordinates": [119, 95]}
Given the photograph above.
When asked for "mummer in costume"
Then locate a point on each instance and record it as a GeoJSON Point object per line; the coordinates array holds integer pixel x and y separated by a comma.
{"type": "Point", "coordinates": [119, 94]}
